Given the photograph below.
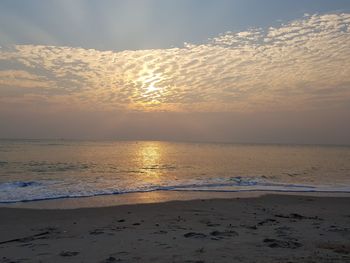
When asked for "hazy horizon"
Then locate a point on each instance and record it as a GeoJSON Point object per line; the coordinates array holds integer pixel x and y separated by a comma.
{"type": "Point", "coordinates": [194, 71]}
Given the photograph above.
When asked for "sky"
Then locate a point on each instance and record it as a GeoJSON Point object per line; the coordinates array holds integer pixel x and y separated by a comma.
{"type": "Point", "coordinates": [246, 71]}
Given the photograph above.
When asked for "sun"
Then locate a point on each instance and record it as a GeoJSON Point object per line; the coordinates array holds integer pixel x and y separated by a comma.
{"type": "Point", "coordinates": [151, 92]}
{"type": "Point", "coordinates": [151, 88]}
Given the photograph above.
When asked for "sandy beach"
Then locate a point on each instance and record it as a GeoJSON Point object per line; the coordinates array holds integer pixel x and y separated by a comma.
{"type": "Point", "coordinates": [163, 131]}
{"type": "Point", "coordinates": [271, 228]}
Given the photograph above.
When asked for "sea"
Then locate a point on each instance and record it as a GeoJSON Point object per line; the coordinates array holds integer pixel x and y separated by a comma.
{"type": "Point", "coordinates": [32, 170]}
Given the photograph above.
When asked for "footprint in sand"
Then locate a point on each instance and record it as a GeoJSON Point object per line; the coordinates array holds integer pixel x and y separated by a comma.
{"type": "Point", "coordinates": [194, 235]}
{"type": "Point", "coordinates": [96, 232]}
{"type": "Point", "coordinates": [110, 259]}
{"type": "Point", "coordinates": [68, 253]}
{"type": "Point", "coordinates": [222, 234]}
{"type": "Point", "coordinates": [275, 243]}
{"type": "Point", "coordinates": [336, 247]}
{"type": "Point", "coordinates": [7, 260]}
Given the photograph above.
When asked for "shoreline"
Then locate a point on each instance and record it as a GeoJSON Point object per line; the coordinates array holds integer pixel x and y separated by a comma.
{"type": "Point", "coordinates": [268, 228]}
{"type": "Point", "coordinates": [160, 196]}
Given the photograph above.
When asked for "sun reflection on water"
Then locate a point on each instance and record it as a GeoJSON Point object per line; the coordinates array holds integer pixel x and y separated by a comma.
{"type": "Point", "coordinates": [150, 155]}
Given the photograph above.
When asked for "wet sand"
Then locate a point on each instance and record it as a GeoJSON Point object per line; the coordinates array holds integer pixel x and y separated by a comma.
{"type": "Point", "coordinates": [270, 228]}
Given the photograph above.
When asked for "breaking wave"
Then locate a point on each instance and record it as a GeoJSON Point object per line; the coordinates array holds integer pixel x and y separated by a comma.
{"type": "Point", "coordinates": [24, 191]}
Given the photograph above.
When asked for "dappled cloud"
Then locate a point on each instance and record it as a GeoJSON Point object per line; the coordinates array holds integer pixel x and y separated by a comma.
{"type": "Point", "coordinates": [302, 64]}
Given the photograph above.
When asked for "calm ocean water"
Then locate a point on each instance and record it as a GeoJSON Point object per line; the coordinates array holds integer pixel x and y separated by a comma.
{"type": "Point", "coordinates": [37, 170]}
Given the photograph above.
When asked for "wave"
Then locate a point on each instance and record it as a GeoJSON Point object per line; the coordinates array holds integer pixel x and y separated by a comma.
{"type": "Point", "coordinates": [26, 191]}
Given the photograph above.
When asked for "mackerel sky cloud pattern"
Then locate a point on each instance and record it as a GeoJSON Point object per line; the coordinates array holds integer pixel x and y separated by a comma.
{"type": "Point", "coordinates": [302, 64]}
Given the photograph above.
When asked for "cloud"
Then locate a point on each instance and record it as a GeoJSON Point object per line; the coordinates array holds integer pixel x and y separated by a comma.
{"type": "Point", "coordinates": [303, 64]}
{"type": "Point", "coordinates": [22, 79]}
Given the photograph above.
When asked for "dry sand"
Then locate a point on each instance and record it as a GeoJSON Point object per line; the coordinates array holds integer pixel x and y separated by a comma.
{"type": "Point", "coordinates": [271, 228]}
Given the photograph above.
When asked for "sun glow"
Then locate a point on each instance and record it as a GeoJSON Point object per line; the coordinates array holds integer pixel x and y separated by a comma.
{"type": "Point", "coordinates": [151, 89]}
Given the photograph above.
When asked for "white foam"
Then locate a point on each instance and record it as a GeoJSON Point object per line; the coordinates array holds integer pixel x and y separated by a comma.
{"type": "Point", "coordinates": [20, 191]}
